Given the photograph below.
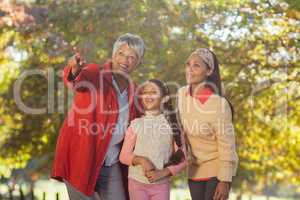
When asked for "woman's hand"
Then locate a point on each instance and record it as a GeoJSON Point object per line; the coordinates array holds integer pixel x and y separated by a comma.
{"type": "Point", "coordinates": [145, 162]}
{"type": "Point", "coordinates": [222, 191]}
{"type": "Point", "coordinates": [155, 175]}
{"type": "Point", "coordinates": [76, 62]}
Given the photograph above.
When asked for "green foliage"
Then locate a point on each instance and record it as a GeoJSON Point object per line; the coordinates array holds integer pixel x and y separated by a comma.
{"type": "Point", "coordinates": [257, 44]}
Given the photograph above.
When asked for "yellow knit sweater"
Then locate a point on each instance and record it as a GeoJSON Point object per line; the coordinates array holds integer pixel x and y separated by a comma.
{"type": "Point", "coordinates": [210, 136]}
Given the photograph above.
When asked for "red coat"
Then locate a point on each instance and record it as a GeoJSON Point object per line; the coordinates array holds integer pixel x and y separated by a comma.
{"type": "Point", "coordinates": [84, 136]}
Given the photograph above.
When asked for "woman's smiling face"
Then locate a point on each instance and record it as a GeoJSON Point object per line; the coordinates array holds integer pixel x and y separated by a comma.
{"type": "Point", "coordinates": [151, 96]}
{"type": "Point", "coordinates": [196, 71]}
{"type": "Point", "coordinates": [125, 59]}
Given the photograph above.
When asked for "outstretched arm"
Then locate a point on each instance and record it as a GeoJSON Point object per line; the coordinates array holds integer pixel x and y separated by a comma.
{"type": "Point", "coordinates": [80, 76]}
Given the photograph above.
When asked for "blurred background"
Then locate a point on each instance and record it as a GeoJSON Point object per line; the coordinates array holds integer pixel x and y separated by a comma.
{"type": "Point", "coordinates": [256, 42]}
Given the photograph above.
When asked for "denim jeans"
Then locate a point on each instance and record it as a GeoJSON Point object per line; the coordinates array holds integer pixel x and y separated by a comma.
{"type": "Point", "coordinates": [109, 186]}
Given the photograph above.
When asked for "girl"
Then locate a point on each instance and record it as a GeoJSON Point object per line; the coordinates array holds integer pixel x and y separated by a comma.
{"type": "Point", "coordinates": [206, 117]}
{"type": "Point", "coordinates": [148, 146]}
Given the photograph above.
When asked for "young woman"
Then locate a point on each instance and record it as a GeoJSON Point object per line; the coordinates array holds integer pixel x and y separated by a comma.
{"type": "Point", "coordinates": [206, 117]}
{"type": "Point", "coordinates": [153, 146]}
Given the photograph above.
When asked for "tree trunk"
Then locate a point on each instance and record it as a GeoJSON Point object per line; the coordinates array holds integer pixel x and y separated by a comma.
{"type": "Point", "coordinates": [32, 193]}
{"type": "Point", "coordinates": [22, 197]}
{"type": "Point", "coordinates": [57, 196]}
{"type": "Point", "coordinates": [10, 194]}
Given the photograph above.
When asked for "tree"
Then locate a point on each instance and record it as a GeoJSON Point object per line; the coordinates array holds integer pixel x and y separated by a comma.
{"type": "Point", "coordinates": [256, 42]}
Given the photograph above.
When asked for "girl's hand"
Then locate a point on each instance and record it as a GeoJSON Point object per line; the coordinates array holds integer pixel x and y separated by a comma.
{"type": "Point", "coordinates": [144, 162]}
{"type": "Point", "coordinates": [147, 165]}
{"type": "Point", "coordinates": [155, 175]}
{"type": "Point", "coordinates": [222, 191]}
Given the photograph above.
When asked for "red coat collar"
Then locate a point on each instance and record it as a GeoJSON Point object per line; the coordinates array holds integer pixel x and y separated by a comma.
{"type": "Point", "coordinates": [107, 68]}
{"type": "Point", "coordinates": [203, 95]}
{"type": "Point", "coordinates": [108, 64]}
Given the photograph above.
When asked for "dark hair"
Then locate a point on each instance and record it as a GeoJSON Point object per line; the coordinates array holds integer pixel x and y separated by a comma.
{"type": "Point", "coordinates": [215, 79]}
{"type": "Point", "coordinates": [171, 117]}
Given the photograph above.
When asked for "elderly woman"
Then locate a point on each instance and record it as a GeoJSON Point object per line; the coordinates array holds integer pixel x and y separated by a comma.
{"type": "Point", "coordinates": [91, 136]}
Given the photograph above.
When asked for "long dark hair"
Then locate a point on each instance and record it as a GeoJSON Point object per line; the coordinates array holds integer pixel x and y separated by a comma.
{"type": "Point", "coordinates": [171, 117]}
{"type": "Point", "coordinates": [214, 81]}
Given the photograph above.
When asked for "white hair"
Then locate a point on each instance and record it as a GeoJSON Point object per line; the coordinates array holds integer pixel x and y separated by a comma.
{"type": "Point", "coordinates": [133, 41]}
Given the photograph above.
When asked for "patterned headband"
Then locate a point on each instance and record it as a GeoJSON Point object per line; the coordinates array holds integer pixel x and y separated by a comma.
{"type": "Point", "coordinates": [206, 56]}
